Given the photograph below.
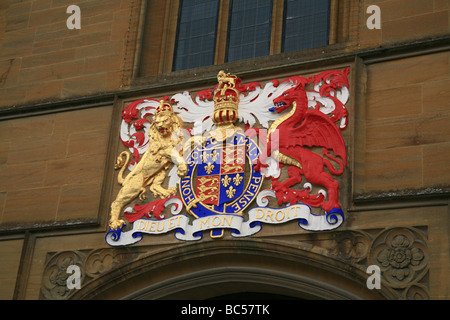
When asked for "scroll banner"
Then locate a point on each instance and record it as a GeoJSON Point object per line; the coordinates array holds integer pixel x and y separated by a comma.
{"type": "Point", "coordinates": [239, 228]}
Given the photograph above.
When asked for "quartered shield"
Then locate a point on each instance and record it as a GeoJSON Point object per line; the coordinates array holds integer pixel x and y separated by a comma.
{"type": "Point", "coordinates": [220, 173]}
{"type": "Point", "coordinates": [216, 183]}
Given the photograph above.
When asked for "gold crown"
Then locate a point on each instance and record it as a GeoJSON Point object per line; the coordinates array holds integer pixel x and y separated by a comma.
{"type": "Point", "coordinates": [226, 99]}
{"type": "Point", "coordinates": [164, 107]}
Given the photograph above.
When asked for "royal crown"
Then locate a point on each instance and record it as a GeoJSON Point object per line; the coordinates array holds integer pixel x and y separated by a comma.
{"type": "Point", "coordinates": [226, 99]}
{"type": "Point", "coordinates": [164, 107]}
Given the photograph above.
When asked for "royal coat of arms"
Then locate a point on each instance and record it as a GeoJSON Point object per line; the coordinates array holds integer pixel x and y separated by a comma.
{"type": "Point", "coordinates": [246, 143]}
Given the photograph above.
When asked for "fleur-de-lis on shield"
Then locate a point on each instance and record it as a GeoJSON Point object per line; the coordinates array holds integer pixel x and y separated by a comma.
{"type": "Point", "coordinates": [209, 168]}
{"type": "Point", "coordinates": [214, 155]}
{"type": "Point", "coordinates": [237, 180]}
{"type": "Point", "coordinates": [204, 156]}
{"type": "Point", "coordinates": [230, 192]}
{"type": "Point", "coordinates": [226, 181]}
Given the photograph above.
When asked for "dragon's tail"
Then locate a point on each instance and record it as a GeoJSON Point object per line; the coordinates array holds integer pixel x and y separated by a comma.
{"type": "Point", "coordinates": [121, 164]}
{"type": "Point", "coordinates": [330, 165]}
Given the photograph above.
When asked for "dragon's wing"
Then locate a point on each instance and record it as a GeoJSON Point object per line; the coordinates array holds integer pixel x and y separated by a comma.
{"type": "Point", "coordinates": [317, 130]}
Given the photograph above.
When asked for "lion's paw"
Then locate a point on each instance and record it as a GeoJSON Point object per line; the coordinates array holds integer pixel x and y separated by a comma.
{"type": "Point", "coordinates": [116, 224]}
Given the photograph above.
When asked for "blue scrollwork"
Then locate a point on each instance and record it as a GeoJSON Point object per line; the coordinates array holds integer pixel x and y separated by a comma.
{"type": "Point", "coordinates": [332, 216]}
{"type": "Point", "coordinates": [114, 234]}
{"type": "Point", "coordinates": [120, 238]}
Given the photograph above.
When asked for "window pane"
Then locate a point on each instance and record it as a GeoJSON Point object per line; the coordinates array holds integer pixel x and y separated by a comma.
{"type": "Point", "coordinates": [306, 24]}
{"type": "Point", "coordinates": [249, 29]}
{"type": "Point", "coordinates": [196, 36]}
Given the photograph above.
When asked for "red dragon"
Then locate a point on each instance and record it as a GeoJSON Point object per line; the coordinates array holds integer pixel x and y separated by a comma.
{"type": "Point", "coordinates": [294, 135]}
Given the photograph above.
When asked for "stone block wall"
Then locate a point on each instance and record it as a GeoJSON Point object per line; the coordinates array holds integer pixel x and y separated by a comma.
{"type": "Point", "coordinates": [52, 167]}
{"type": "Point", "coordinates": [43, 60]}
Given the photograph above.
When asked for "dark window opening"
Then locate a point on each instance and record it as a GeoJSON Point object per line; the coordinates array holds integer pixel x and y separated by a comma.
{"type": "Point", "coordinates": [306, 24]}
{"type": "Point", "coordinates": [196, 34]}
{"type": "Point", "coordinates": [249, 29]}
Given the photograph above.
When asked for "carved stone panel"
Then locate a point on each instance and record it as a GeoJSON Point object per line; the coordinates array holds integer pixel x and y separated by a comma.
{"type": "Point", "coordinates": [401, 254]}
{"type": "Point", "coordinates": [92, 264]}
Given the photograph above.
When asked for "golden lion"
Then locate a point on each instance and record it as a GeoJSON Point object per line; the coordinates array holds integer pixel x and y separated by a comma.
{"type": "Point", "coordinates": [151, 169]}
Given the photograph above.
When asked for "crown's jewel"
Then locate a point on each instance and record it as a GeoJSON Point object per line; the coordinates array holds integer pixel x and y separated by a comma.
{"type": "Point", "coordinates": [226, 99]}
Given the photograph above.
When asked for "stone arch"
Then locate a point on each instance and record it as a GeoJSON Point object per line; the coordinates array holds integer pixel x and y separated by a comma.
{"type": "Point", "coordinates": [226, 268]}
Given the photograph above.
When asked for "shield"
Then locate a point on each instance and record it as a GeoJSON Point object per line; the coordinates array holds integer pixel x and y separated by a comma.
{"type": "Point", "coordinates": [215, 183]}
{"type": "Point", "coordinates": [220, 173]}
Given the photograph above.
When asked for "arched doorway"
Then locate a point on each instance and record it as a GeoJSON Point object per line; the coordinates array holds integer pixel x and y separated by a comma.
{"type": "Point", "coordinates": [230, 269]}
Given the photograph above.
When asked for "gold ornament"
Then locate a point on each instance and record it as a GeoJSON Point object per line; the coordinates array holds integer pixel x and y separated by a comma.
{"type": "Point", "coordinates": [226, 103]}
{"type": "Point", "coordinates": [230, 192]}
{"type": "Point", "coordinates": [209, 168]}
{"type": "Point", "coordinates": [152, 168]}
{"type": "Point", "coordinates": [226, 181]}
{"type": "Point", "coordinates": [237, 180]}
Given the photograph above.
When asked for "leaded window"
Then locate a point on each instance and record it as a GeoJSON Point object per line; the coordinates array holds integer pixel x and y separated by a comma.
{"type": "Point", "coordinates": [196, 35]}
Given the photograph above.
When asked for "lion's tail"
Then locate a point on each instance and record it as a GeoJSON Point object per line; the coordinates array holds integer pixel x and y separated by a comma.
{"type": "Point", "coordinates": [121, 163]}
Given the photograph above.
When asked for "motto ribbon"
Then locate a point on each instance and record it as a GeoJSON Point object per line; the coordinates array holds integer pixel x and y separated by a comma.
{"type": "Point", "coordinates": [239, 228]}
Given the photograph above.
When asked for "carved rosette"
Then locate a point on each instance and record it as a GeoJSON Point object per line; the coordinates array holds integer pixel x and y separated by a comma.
{"type": "Point", "coordinates": [92, 263]}
{"type": "Point", "coordinates": [351, 245]}
{"type": "Point", "coordinates": [400, 253]}
{"type": "Point", "coordinates": [402, 256]}
{"type": "Point", "coordinates": [54, 279]}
